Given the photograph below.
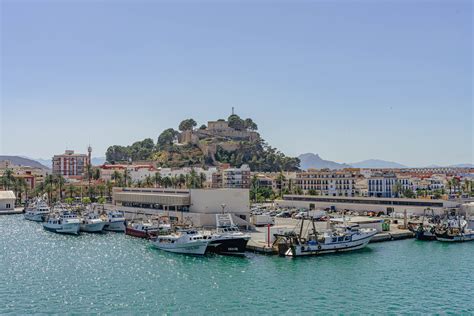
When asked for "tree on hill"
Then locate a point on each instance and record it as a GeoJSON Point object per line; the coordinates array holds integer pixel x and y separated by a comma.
{"type": "Point", "coordinates": [187, 125]}
{"type": "Point", "coordinates": [236, 122]}
{"type": "Point", "coordinates": [166, 138]}
{"type": "Point", "coordinates": [203, 126]}
{"type": "Point", "coordinates": [117, 153]}
{"type": "Point", "coordinates": [249, 124]}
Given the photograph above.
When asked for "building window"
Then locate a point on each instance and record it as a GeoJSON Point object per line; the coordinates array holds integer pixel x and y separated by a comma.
{"type": "Point", "coordinates": [9, 205]}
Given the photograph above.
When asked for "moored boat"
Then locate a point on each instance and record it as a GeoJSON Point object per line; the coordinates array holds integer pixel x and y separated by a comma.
{"type": "Point", "coordinates": [184, 241]}
{"type": "Point", "coordinates": [92, 223]}
{"type": "Point", "coordinates": [341, 238]}
{"type": "Point", "coordinates": [114, 221]}
{"type": "Point", "coordinates": [37, 211]}
{"type": "Point", "coordinates": [228, 239]}
{"type": "Point", "coordinates": [454, 230]}
{"type": "Point", "coordinates": [143, 229]}
{"type": "Point", "coordinates": [64, 223]}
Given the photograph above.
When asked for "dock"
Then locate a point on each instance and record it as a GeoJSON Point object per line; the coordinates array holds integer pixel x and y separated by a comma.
{"type": "Point", "coordinates": [16, 211]}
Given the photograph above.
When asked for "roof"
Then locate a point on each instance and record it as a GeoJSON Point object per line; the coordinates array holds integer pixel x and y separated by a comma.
{"type": "Point", "coordinates": [7, 195]}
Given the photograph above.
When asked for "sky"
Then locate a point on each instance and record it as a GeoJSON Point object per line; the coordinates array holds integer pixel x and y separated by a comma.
{"type": "Point", "coordinates": [349, 80]}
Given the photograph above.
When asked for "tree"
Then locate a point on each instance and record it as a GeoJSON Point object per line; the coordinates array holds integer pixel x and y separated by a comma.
{"type": "Point", "coordinates": [203, 126]}
{"type": "Point", "coordinates": [280, 181]}
{"type": "Point", "coordinates": [101, 200]}
{"type": "Point", "coordinates": [249, 124]}
{"type": "Point", "coordinates": [117, 153]}
{"type": "Point", "coordinates": [236, 122]}
{"type": "Point", "coordinates": [60, 181]}
{"type": "Point", "coordinates": [86, 200]}
{"type": "Point", "coordinates": [158, 179]}
{"type": "Point", "coordinates": [96, 175]}
{"type": "Point", "coordinates": [69, 200]}
{"type": "Point", "coordinates": [187, 125]}
{"type": "Point", "coordinates": [408, 193]}
{"type": "Point", "coordinates": [312, 192]}
{"type": "Point", "coordinates": [166, 138]}
{"type": "Point", "coordinates": [202, 179]}
{"type": "Point", "coordinates": [101, 189]}
{"type": "Point", "coordinates": [148, 181]}
{"type": "Point", "coordinates": [397, 189]}
{"type": "Point", "coordinates": [7, 179]}
{"type": "Point", "coordinates": [109, 187]}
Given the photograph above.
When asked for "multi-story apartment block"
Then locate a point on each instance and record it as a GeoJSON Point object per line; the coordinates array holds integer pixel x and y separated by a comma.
{"type": "Point", "coordinates": [328, 182]}
{"type": "Point", "coordinates": [381, 185]}
{"type": "Point", "coordinates": [232, 178]}
{"type": "Point", "coordinates": [71, 164]}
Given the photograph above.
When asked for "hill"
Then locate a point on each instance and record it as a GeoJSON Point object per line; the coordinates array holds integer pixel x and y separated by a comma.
{"type": "Point", "coordinates": [22, 161]}
{"type": "Point", "coordinates": [234, 141]}
{"type": "Point", "coordinates": [377, 163]}
{"type": "Point", "coordinates": [310, 160]}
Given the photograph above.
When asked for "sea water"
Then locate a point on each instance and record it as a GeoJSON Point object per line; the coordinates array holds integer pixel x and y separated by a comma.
{"type": "Point", "coordinates": [111, 273]}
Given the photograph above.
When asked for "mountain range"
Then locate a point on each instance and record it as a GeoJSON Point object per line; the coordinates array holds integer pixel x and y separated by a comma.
{"type": "Point", "coordinates": [23, 161]}
{"type": "Point", "coordinates": [310, 160]}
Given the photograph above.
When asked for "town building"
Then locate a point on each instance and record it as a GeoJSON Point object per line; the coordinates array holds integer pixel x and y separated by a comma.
{"type": "Point", "coordinates": [328, 182]}
{"type": "Point", "coordinates": [71, 164]}
{"type": "Point", "coordinates": [198, 206]}
{"type": "Point", "coordinates": [233, 178]}
{"type": "Point", "coordinates": [7, 200]}
{"type": "Point", "coordinates": [381, 185]}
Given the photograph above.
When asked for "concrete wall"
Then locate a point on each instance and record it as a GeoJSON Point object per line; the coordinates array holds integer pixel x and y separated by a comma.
{"type": "Point", "coordinates": [210, 201]}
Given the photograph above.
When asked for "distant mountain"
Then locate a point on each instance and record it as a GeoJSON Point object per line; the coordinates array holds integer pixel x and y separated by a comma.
{"type": "Point", "coordinates": [310, 160]}
{"type": "Point", "coordinates": [97, 161]}
{"type": "Point", "coordinates": [22, 161]}
{"type": "Point", "coordinates": [47, 162]}
{"type": "Point", "coordinates": [377, 163]}
{"type": "Point", "coordinates": [463, 165]}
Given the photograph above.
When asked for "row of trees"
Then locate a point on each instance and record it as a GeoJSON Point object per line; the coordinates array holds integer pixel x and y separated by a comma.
{"type": "Point", "coordinates": [193, 180]}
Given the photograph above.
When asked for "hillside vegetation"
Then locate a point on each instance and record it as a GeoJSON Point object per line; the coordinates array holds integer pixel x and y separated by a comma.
{"type": "Point", "coordinates": [206, 147]}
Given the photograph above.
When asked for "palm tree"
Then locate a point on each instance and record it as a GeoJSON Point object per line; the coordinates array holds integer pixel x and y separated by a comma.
{"type": "Point", "coordinates": [21, 187]}
{"type": "Point", "coordinates": [280, 180]}
{"type": "Point", "coordinates": [182, 180]}
{"type": "Point", "coordinates": [101, 189]}
{"type": "Point", "coordinates": [7, 179]}
{"type": "Point", "coordinates": [148, 181]}
{"type": "Point", "coordinates": [71, 190]}
{"type": "Point", "coordinates": [49, 187]}
{"type": "Point", "coordinates": [109, 186]}
{"type": "Point", "coordinates": [59, 180]}
{"type": "Point", "coordinates": [126, 177]}
{"type": "Point", "coordinates": [193, 178]}
{"type": "Point", "coordinates": [202, 179]}
{"type": "Point", "coordinates": [254, 188]}
{"type": "Point", "coordinates": [158, 179]}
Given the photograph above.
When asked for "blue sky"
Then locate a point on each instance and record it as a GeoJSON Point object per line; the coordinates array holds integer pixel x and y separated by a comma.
{"type": "Point", "coordinates": [350, 80]}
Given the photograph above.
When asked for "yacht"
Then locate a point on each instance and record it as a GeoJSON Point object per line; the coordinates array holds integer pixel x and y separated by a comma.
{"type": "Point", "coordinates": [338, 239]}
{"type": "Point", "coordinates": [114, 221]}
{"type": "Point", "coordinates": [184, 241]}
{"type": "Point", "coordinates": [228, 239]}
{"type": "Point", "coordinates": [92, 223]}
{"type": "Point", "coordinates": [37, 211]}
{"type": "Point", "coordinates": [64, 222]}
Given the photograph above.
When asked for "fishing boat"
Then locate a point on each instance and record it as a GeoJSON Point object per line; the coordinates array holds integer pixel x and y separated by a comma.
{"type": "Point", "coordinates": [454, 230]}
{"type": "Point", "coordinates": [143, 229]}
{"type": "Point", "coordinates": [37, 211]}
{"type": "Point", "coordinates": [92, 223]}
{"type": "Point", "coordinates": [65, 223]}
{"type": "Point", "coordinates": [228, 239]}
{"type": "Point", "coordinates": [425, 231]}
{"type": "Point", "coordinates": [114, 221]}
{"type": "Point", "coordinates": [340, 238]}
{"type": "Point", "coordinates": [185, 241]}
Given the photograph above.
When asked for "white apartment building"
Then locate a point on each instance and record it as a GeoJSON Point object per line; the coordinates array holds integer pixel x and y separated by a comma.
{"type": "Point", "coordinates": [328, 182]}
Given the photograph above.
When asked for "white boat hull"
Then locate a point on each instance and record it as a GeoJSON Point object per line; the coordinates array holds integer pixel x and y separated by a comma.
{"type": "Point", "coordinates": [320, 249]}
{"type": "Point", "coordinates": [193, 248]}
{"type": "Point", "coordinates": [118, 226]}
{"type": "Point", "coordinates": [35, 217]}
{"type": "Point", "coordinates": [70, 228]}
{"type": "Point", "coordinates": [92, 227]}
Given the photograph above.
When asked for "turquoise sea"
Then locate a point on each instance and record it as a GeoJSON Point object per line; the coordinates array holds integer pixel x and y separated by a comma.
{"type": "Point", "coordinates": [47, 273]}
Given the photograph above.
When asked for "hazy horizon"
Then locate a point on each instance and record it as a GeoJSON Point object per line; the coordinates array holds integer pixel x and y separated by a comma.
{"type": "Point", "coordinates": [347, 80]}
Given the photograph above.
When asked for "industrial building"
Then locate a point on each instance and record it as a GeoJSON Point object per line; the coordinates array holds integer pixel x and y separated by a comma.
{"type": "Point", "coordinates": [361, 204]}
{"type": "Point", "coordinates": [198, 206]}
